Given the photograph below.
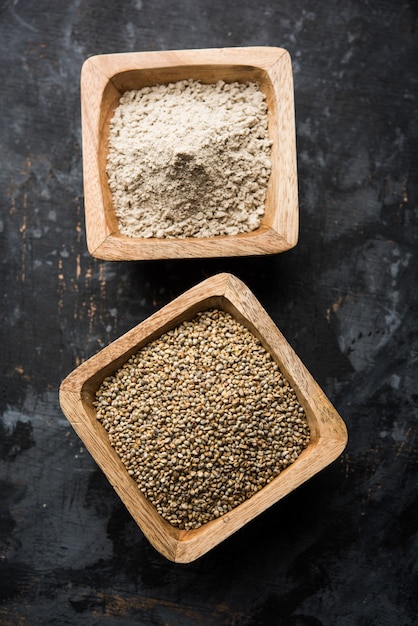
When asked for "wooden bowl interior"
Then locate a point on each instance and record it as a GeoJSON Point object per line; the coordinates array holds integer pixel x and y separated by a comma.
{"type": "Point", "coordinates": [136, 79]}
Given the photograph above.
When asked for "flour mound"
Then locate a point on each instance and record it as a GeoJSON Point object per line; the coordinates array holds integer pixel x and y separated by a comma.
{"type": "Point", "coordinates": [189, 159]}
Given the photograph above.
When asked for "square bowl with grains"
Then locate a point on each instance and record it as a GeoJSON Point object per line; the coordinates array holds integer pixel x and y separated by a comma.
{"type": "Point", "coordinates": [189, 153]}
{"type": "Point", "coordinates": [202, 417]}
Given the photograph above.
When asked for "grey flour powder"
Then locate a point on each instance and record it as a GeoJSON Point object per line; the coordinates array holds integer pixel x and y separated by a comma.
{"type": "Point", "coordinates": [189, 159]}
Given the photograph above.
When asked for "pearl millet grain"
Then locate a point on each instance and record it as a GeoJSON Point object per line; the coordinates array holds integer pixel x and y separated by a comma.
{"type": "Point", "coordinates": [202, 418]}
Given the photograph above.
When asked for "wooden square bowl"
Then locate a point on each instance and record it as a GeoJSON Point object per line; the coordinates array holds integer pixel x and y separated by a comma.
{"type": "Point", "coordinates": [226, 292]}
{"type": "Point", "coordinates": [104, 78]}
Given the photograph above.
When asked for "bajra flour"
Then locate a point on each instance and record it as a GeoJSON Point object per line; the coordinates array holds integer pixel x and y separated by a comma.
{"type": "Point", "coordinates": [189, 159]}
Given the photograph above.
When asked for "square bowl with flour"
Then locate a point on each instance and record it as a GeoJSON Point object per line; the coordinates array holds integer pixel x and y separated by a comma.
{"type": "Point", "coordinates": [189, 153]}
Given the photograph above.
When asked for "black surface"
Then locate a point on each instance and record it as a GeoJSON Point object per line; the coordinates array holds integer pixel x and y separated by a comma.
{"type": "Point", "coordinates": [340, 551]}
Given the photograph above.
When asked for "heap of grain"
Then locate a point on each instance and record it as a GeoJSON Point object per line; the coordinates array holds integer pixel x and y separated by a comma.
{"type": "Point", "coordinates": [202, 418]}
{"type": "Point", "coordinates": [189, 159]}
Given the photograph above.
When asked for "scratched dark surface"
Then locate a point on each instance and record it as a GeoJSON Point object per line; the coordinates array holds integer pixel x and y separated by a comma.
{"type": "Point", "coordinates": [343, 549]}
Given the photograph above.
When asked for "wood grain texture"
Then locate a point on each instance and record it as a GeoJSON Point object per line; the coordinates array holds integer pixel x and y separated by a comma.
{"type": "Point", "coordinates": [225, 291]}
{"type": "Point", "coordinates": [104, 78]}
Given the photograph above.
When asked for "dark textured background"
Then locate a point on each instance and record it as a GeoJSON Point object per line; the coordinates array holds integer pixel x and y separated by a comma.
{"type": "Point", "coordinates": [340, 551]}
